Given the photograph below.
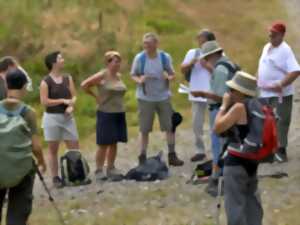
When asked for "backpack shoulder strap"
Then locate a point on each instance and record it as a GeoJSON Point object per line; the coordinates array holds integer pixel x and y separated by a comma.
{"type": "Point", "coordinates": [197, 52]}
{"type": "Point", "coordinates": [226, 64]}
{"type": "Point", "coordinates": [164, 60]}
{"type": "Point", "coordinates": [142, 62]}
{"type": "Point", "coordinates": [20, 111]}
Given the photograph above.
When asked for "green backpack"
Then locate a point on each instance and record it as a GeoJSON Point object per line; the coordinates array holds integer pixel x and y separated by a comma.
{"type": "Point", "coordinates": [15, 146]}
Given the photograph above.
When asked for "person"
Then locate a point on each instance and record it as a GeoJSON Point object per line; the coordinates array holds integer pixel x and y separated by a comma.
{"type": "Point", "coordinates": [111, 120]}
{"type": "Point", "coordinates": [8, 63]}
{"type": "Point", "coordinates": [57, 94]}
{"type": "Point", "coordinates": [199, 80]}
{"type": "Point", "coordinates": [222, 70]}
{"type": "Point", "coordinates": [277, 69]}
{"type": "Point", "coordinates": [152, 71]}
{"type": "Point", "coordinates": [241, 196]}
{"type": "Point", "coordinates": [20, 195]}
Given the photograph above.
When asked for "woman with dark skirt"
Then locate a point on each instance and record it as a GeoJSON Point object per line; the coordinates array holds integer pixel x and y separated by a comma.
{"type": "Point", "coordinates": [111, 120]}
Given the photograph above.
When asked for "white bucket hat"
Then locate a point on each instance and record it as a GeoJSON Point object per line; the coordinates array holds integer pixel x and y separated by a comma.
{"type": "Point", "coordinates": [244, 83]}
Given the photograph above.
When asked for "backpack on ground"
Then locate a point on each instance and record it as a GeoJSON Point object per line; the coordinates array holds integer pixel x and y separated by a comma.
{"type": "Point", "coordinates": [261, 140]}
{"type": "Point", "coordinates": [154, 168]}
{"type": "Point", "coordinates": [15, 146]}
{"type": "Point", "coordinates": [74, 169]}
{"type": "Point", "coordinates": [187, 75]}
{"type": "Point", "coordinates": [232, 67]}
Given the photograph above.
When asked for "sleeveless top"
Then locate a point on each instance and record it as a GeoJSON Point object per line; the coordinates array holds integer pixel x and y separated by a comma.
{"type": "Point", "coordinates": [57, 91]}
{"type": "Point", "coordinates": [230, 160]}
{"type": "Point", "coordinates": [111, 94]}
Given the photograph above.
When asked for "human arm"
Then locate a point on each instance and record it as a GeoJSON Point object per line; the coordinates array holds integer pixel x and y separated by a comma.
{"type": "Point", "coordinates": [229, 114]}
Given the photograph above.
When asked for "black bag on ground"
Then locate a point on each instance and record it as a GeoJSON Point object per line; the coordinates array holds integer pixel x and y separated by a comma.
{"type": "Point", "coordinates": [203, 169]}
{"type": "Point", "coordinates": [154, 168]}
{"type": "Point", "coordinates": [74, 169]}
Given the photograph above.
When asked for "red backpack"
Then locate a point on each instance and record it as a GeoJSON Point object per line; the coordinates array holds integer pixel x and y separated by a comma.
{"type": "Point", "coordinates": [261, 141]}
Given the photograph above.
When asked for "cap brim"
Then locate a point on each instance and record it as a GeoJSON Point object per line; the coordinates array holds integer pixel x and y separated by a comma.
{"type": "Point", "coordinates": [212, 52]}
{"type": "Point", "coordinates": [236, 87]}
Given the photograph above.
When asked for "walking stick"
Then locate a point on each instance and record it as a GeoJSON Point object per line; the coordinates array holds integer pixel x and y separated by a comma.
{"type": "Point", "coordinates": [219, 200]}
{"type": "Point", "coordinates": [51, 199]}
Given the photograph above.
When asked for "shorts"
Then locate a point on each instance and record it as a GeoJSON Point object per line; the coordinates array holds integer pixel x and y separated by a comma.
{"type": "Point", "coordinates": [147, 110]}
{"type": "Point", "coordinates": [59, 127]}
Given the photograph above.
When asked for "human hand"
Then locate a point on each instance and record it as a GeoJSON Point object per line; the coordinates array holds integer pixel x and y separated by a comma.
{"type": "Point", "coordinates": [69, 110]}
{"type": "Point", "coordinates": [67, 101]}
{"type": "Point", "coordinates": [42, 166]}
{"type": "Point", "coordinates": [143, 79]}
{"type": "Point", "coordinates": [226, 101]}
{"type": "Point", "coordinates": [277, 87]}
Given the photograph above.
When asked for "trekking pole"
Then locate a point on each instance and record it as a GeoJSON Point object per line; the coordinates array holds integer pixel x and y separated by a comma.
{"type": "Point", "coordinates": [51, 199]}
{"type": "Point", "coordinates": [219, 200]}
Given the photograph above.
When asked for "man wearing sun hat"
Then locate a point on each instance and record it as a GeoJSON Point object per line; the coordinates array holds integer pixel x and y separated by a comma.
{"type": "Point", "coordinates": [277, 69]}
{"type": "Point", "coordinates": [222, 70]}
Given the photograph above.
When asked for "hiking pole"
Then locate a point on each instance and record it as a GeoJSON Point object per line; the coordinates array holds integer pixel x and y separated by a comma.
{"type": "Point", "coordinates": [51, 199]}
{"type": "Point", "coordinates": [219, 200]}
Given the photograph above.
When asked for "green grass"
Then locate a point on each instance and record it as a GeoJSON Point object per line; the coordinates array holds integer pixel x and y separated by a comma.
{"type": "Point", "coordinates": [84, 30]}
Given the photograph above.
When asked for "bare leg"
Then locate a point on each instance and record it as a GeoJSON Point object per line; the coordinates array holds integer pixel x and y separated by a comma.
{"type": "Point", "coordinates": [53, 147]}
{"type": "Point", "coordinates": [100, 156]}
{"type": "Point", "coordinates": [111, 156]}
{"type": "Point", "coordinates": [72, 144]}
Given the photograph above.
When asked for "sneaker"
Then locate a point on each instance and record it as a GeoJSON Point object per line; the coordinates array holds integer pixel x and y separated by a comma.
{"type": "Point", "coordinates": [57, 182]}
{"type": "Point", "coordinates": [212, 187]}
{"type": "Point", "coordinates": [281, 156]}
{"type": "Point", "coordinates": [142, 159]}
{"type": "Point", "coordinates": [99, 175]}
{"type": "Point", "coordinates": [114, 175]}
{"type": "Point", "coordinates": [198, 157]}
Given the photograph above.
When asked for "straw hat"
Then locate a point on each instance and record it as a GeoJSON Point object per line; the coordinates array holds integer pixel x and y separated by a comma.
{"type": "Point", "coordinates": [244, 83]}
{"type": "Point", "coordinates": [209, 48]}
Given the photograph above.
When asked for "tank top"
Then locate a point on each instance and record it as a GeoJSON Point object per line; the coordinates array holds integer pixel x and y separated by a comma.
{"type": "Point", "coordinates": [57, 91]}
{"type": "Point", "coordinates": [230, 160]}
{"type": "Point", "coordinates": [111, 94]}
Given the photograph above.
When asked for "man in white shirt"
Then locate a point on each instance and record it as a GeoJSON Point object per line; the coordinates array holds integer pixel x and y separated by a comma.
{"type": "Point", "coordinates": [198, 78]}
{"type": "Point", "coordinates": [277, 69]}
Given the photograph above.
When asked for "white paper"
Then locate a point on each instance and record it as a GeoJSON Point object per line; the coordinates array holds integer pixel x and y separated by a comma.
{"type": "Point", "coordinates": [183, 89]}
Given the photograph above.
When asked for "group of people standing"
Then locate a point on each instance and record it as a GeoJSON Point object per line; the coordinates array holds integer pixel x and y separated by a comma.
{"type": "Point", "coordinates": [216, 84]}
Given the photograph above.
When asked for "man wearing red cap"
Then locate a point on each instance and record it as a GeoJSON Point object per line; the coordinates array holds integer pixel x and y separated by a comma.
{"type": "Point", "coordinates": [277, 70]}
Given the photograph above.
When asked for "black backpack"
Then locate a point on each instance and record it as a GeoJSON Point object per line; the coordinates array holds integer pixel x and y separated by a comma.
{"type": "Point", "coordinates": [74, 169]}
{"type": "Point", "coordinates": [152, 169]}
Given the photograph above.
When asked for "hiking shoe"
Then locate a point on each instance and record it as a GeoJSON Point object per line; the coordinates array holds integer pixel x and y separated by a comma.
{"type": "Point", "coordinates": [142, 159]}
{"type": "Point", "coordinates": [174, 160]}
{"type": "Point", "coordinates": [114, 174]}
{"type": "Point", "coordinates": [281, 156]}
{"type": "Point", "coordinates": [212, 187]}
{"type": "Point", "coordinates": [198, 157]}
{"type": "Point", "coordinates": [99, 175]}
{"type": "Point", "coordinates": [57, 182]}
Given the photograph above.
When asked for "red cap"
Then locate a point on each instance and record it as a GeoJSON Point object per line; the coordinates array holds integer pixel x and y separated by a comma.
{"type": "Point", "coordinates": [278, 27]}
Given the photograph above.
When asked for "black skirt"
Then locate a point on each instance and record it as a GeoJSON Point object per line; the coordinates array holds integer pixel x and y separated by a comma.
{"type": "Point", "coordinates": [111, 128]}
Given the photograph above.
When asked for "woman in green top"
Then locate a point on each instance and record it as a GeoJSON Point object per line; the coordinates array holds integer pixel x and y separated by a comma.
{"type": "Point", "coordinates": [111, 121]}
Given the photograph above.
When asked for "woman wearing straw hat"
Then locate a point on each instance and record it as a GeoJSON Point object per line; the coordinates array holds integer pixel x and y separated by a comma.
{"type": "Point", "coordinates": [111, 121]}
{"type": "Point", "coordinates": [242, 203]}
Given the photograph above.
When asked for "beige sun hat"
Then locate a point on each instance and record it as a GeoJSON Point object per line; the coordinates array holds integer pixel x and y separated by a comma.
{"type": "Point", "coordinates": [209, 48]}
{"type": "Point", "coordinates": [244, 83]}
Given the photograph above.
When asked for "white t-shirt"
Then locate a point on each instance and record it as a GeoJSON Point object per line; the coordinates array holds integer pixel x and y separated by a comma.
{"type": "Point", "coordinates": [199, 76]}
{"type": "Point", "coordinates": [274, 64]}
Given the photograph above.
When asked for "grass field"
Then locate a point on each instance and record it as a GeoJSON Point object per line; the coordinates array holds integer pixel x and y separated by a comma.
{"type": "Point", "coordinates": [84, 29]}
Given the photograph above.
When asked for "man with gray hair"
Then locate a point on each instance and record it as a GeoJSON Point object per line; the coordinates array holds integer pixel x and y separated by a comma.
{"type": "Point", "coordinates": [152, 70]}
{"type": "Point", "coordinates": [198, 78]}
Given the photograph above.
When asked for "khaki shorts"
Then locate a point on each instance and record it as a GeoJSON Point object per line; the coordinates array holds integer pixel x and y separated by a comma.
{"type": "Point", "coordinates": [147, 111]}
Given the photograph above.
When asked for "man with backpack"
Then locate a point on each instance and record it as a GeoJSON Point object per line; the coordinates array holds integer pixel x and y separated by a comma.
{"type": "Point", "coordinates": [198, 78]}
{"type": "Point", "coordinates": [222, 70]}
{"type": "Point", "coordinates": [277, 69]}
{"type": "Point", "coordinates": [19, 141]}
{"type": "Point", "coordinates": [152, 70]}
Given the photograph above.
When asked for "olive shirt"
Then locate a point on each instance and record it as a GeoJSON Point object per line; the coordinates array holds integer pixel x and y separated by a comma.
{"type": "Point", "coordinates": [111, 94]}
{"type": "Point", "coordinates": [218, 79]}
{"type": "Point", "coordinates": [2, 88]}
